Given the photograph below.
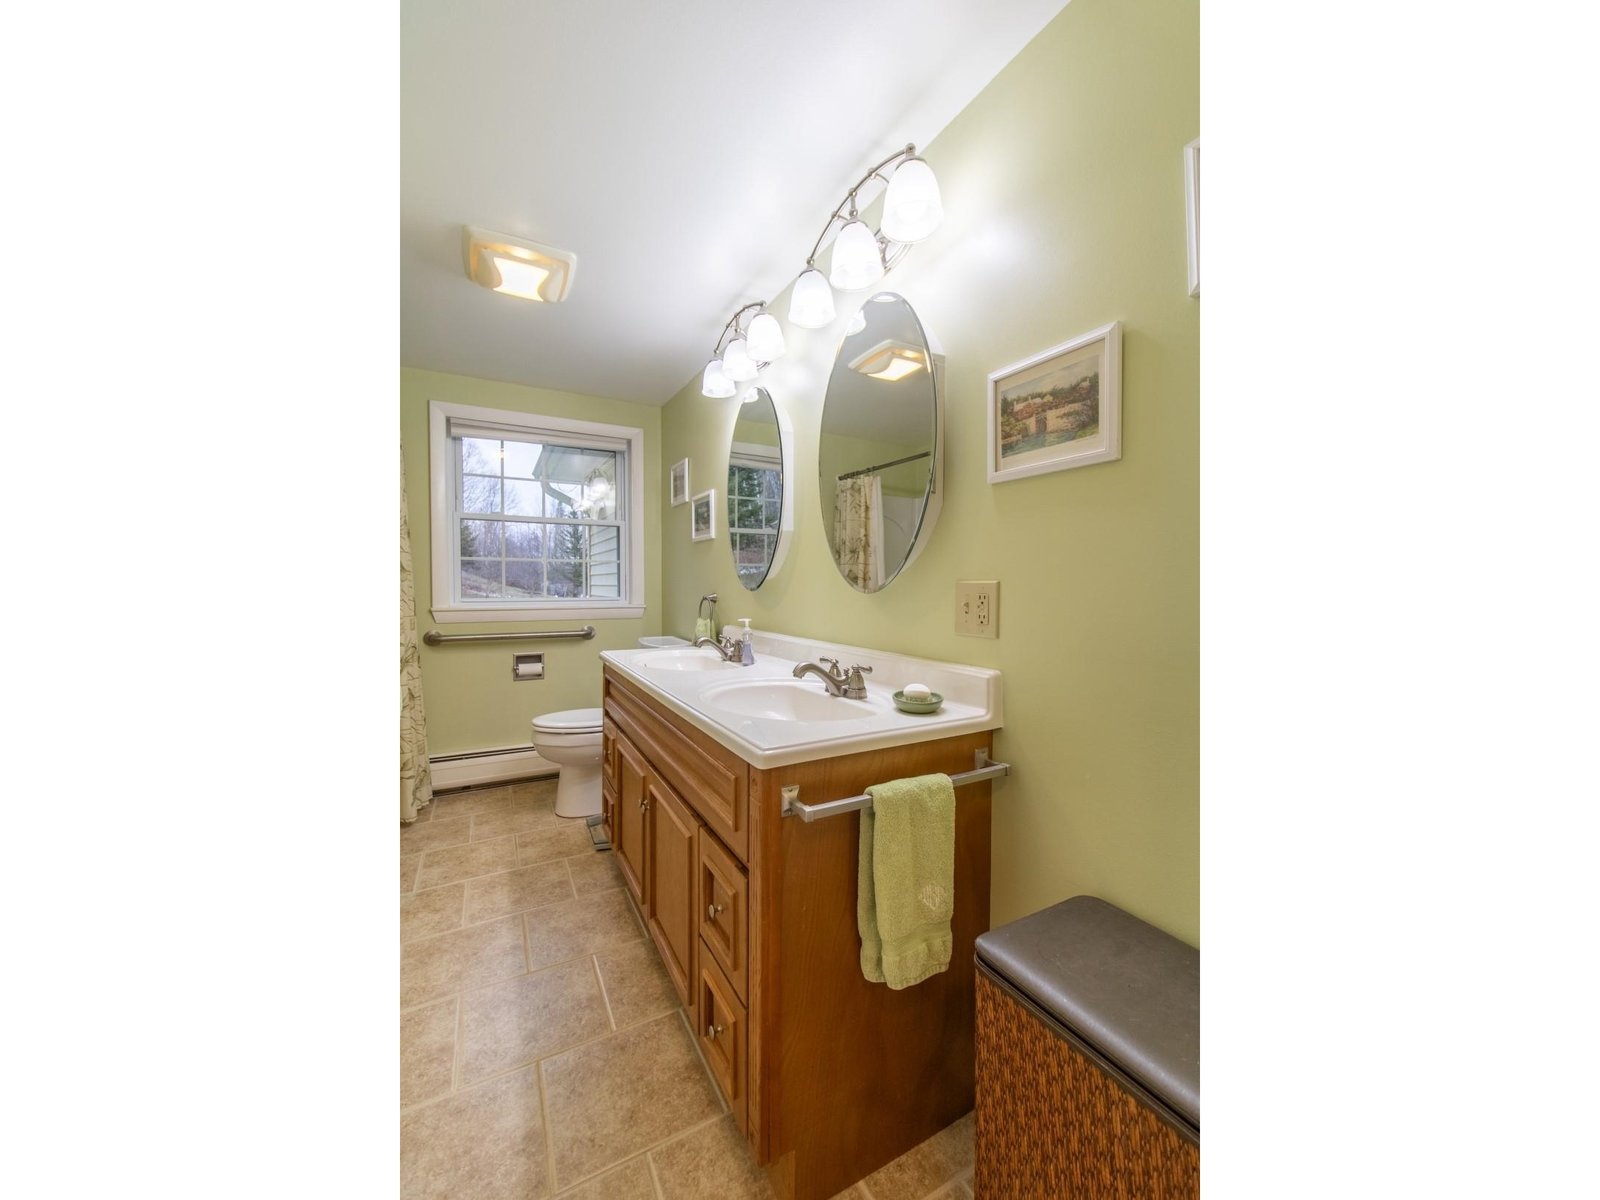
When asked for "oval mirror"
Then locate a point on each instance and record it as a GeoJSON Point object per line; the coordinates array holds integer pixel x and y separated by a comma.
{"type": "Point", "coordinates": [878, 451]}
{"type": "Point", "coordinates": [758, 498]}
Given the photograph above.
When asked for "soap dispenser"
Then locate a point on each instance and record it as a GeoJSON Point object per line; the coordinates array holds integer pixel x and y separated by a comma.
{"type": "Point", "coordinates": [747, 647]}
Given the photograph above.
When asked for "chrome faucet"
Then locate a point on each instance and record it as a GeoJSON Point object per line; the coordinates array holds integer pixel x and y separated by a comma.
{"type": "Point", "coordinates": [836, 679]}
{"type": "Point", "coordinates": [725, 646]}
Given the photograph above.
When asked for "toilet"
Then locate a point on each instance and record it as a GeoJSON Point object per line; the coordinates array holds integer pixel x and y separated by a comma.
{"type": "Point", "coordinates": [571, 740]}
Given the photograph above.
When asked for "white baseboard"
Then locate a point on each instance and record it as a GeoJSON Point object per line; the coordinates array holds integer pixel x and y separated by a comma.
{"type": "Point", "coordinates": [493, 766]}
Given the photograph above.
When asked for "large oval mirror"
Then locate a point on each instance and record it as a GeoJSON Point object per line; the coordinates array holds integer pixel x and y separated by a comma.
{"type": "Point", "coordinates": [878, 452]}
{"type": "Point", "coordinates": [759, 503]}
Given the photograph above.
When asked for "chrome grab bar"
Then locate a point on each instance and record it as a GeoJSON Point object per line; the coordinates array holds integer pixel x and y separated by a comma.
{"type": "Point", "coordinates": [983, 768]}
{"type": "Point", "coordinates": [434, 638]}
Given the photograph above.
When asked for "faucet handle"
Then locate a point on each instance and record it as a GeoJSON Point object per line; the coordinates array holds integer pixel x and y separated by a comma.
{"type": "Point", "coordinates": [858, 669]}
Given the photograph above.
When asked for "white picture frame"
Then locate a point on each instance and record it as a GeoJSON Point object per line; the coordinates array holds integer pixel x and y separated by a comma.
{"type": "Point", "coordinates": [703, 517]}
{"type": "Point", "coordinates": [1191, 210]}
{"type": "Point", "coordinates": [1058, 409]}
{"type": "Point", "coordinates": [678, 487]}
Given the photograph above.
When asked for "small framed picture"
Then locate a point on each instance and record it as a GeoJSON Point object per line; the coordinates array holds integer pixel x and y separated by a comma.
{"type": "Point", "coordinates": [703, 517]}
{"type": "Point", "coordinates": [1059, 409]}
{"type": "Point", "coordinates": [680, 482]}
{"type": "Point", "coordinates": [1191, 207]}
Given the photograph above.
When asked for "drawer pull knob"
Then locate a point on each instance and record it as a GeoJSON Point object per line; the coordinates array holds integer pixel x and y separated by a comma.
{"type": "Point", "coordinates": [712, 910]}
{"type": "Point", "coordinates": [712, 1031]}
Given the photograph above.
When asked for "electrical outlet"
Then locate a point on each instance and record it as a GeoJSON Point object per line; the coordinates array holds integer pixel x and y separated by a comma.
{"type": "Point", "coordinates": [978, 608]}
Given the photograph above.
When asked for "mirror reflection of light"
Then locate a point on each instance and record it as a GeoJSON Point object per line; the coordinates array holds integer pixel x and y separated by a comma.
{"type": "Point", "coordinates": [857, 324]}
{"type": "Point", "coordinates": [896, 368]}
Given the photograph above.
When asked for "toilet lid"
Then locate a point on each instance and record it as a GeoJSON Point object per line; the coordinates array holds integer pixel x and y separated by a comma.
{"type": "Point", "coordinates": [572, 720]}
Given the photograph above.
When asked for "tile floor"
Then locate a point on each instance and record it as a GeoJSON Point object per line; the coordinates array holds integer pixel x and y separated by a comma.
{"type": "Point", "coordinates": [542, 1049]}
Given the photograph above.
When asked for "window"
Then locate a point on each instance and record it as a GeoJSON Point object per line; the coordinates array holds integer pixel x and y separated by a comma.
{"type": "Point", "coordinates": [534, 517]}
{"type": "Point", "coordinates": [755, 502]}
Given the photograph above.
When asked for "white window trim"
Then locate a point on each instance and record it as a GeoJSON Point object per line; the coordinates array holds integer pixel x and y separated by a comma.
{"type": "Point", "coordinates": [441, 484]}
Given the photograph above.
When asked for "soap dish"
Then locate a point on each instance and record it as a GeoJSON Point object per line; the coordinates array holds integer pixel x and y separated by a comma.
{"type": "Point", "coordinates": [921, 707]}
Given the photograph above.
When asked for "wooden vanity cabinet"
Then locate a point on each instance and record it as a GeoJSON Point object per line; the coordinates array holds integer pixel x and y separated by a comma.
{"type": "Point", "coordinates": [828, 1076]}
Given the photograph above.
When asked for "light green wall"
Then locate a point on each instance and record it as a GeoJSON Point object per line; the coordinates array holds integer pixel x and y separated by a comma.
{"type": "Point", "coordinates": [472, 702]}
{"type": "Point", "coordinates": [1063, 194]}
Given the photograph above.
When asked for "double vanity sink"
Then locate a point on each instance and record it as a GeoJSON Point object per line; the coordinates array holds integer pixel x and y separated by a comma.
{"type": "Point", "coordinates": [770, 718]}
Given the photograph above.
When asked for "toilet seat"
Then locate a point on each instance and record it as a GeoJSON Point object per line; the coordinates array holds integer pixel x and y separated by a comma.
{"type": "Point", "coordinates": [569, 721]}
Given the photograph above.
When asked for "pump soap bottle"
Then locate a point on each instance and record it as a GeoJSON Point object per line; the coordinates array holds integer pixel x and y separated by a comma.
{"type": "Point", "coordinates": [747, 648]}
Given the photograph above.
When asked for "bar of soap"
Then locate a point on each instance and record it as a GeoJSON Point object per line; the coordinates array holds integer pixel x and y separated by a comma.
{"type": "Point", "coordinates": [916, 691]}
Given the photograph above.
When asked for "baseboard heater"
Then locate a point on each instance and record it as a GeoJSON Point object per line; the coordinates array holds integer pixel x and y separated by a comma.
{"type": "Point", "coordinates": [477, 767]}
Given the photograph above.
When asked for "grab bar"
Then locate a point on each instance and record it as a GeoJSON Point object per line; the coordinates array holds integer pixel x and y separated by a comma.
{"type": "Point", "coordinates": [434, 638]}
{"type": "Point", "coordinates": [983, 768]}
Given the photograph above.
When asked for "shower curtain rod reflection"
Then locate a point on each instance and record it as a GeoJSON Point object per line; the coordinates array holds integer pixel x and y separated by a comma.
{"type": "Point", "coordinates": [883, 466]}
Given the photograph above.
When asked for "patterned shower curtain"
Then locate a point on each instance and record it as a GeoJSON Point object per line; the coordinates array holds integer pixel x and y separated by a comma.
{"type": "Point", "coordinates": [858, 530]}
{"type": "Point", "coordinates": [416, 778]}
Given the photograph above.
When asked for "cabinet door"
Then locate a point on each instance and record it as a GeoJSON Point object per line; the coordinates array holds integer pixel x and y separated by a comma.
{"type": "Point", "coordinates": [629, 828]}
{"type": "Point", "coordinates": [723, 1037]}
{"type": "Point", "coordinates": [721, 910]}
{"type": "Point", "coordinates": [673, 855]}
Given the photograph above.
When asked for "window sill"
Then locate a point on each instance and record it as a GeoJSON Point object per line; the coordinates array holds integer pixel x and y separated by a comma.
{"type": "Point", "coordinates": [565, 612]}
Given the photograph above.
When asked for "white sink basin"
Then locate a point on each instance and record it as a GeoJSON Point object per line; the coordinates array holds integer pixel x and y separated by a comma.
{"type": "Point", "coordinates": [775, 700]}
{"type": "Point", "coordinates": [692, 658]}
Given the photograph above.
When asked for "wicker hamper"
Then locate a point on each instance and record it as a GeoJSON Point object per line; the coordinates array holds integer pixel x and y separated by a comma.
{"type": "Point", "coordinates": [1088, 1045]}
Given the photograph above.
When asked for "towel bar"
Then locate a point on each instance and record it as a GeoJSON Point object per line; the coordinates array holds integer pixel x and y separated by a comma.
{"type": "Point", "coordinates": [983, 768]}
{"type": "Point", "coordinates": [434, 638]}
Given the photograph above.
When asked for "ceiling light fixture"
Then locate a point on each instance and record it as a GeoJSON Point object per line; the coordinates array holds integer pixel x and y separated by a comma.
{"type": "Point", "coordinates": [889, 360]}
{"type": "Point", "coordinates": [514, 267]}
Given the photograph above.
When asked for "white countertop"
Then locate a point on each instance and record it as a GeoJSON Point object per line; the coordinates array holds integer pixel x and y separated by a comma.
{"type": "Point", "coordinates": [972, 699]}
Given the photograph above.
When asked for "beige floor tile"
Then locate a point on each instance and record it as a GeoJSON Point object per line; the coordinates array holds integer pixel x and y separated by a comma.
{"type": "Point", "coordinates": [430, 835]}
{"type": "Point", "coordinates": [427, 1051]}
{"type": "Point", "coordinates": [464, 862]}
{"type": "Point", "coordinates": [437, 910]}
{"type": "Point", "coordinates": [964, 1189]}
{"type": "Point", "coordinates": [928, 1167]}
{"type": "Point", "coordinates": [514, 891]}
{"type": "Point", "coordinates": [559, 841]}
{"type": "Point", "coordinates": [471, 802]}
{"type": "Point", "coordinates": [450, 962]}
{"type": "Point", "coordinates": [408, 871]}
{"type": "Point", "coordinates": [637, 985]}
{"type": "Point", "coordinates": [485, 1143]}
{"type": "Point", "coordinates": [534, 791]}
{"type": "Point", "coordinates": [614, 1097]}
{"type": "Point", "coordinates": [595, 871]}
{"type": "Point", "coordinates": [529, 1017]}
{"type": "Point", "coordinates": [590, 923]}
{"type": "Point", "coordinates": [630, 1181]}
{"type": "Point", "coordinates": [534, 818]}
{"type": "Point", "coordinates": [853, 1192]}
{"type": "Point", "coordinates": [711, 1161]}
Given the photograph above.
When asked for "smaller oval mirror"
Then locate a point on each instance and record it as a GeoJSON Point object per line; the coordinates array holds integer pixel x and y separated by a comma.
{"type": "Point", "coordinates": [878, 451]}
{"type": "Point", "coordinates": [758, 498]}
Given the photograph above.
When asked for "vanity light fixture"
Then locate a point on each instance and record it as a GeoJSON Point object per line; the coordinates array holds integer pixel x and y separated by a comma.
{"type": "Point", "coordinates": [741, 351]}
{"type": "Point", "coordinates": [515, 267]}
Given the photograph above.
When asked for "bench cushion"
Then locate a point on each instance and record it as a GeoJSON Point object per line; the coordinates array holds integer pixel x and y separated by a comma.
{"type": "Point", "coordinates": [1128, 991]}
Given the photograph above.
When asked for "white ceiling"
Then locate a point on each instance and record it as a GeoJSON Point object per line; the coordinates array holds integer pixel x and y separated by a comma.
{"type": "Point", "coordinates": [688, 153]}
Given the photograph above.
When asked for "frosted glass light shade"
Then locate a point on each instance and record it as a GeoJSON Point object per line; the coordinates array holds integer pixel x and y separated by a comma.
{"type": "Point", "coordinates": [715, 382]}
{"type": "Point", "coordinates": [764, 338]}
{"type": "Point", "coordinates": [911, 205]}
{"type": "Point", "coordinates": [856, 261]}
{"type": "Point", "coordinates": [811, 301]}
{"type": "Point", "coordinates": [857, 324]}
{"type": "Point", "coordinates": [737, 364]}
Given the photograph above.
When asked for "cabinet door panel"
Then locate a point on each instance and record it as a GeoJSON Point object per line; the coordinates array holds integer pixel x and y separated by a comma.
{"type": "Point", "coordinates": [630, 828]}
{"type": "Point", "coordinates": [721, 911]}
{"type": "Point", "coordinates": [673, 846]}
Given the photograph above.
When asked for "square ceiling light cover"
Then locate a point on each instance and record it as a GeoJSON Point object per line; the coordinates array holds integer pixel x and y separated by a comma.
{"type": "Point", "coordinates": [890, 360]}
{"type": "Point", "coordinates": [514, 267]}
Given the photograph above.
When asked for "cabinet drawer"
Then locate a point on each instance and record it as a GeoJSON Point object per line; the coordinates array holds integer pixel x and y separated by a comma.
{"type": "Point", "coordinates": [723, 907]}
{"type": "Point", "coordinates": [724, 1037]}
{"type": "Point", "coordinates": [709, 777]}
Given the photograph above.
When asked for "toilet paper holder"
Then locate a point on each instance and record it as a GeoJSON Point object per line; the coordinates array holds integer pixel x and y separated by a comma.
{"type": "Point", "coordinates": [527, 666]}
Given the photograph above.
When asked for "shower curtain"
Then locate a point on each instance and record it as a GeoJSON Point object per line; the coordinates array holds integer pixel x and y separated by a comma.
{"type": "Point", "coordinates": [858, 530]}
{"type": "Point", "coordinates": [416, 778]}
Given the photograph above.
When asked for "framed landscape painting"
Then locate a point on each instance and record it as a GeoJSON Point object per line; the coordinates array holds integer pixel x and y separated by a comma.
{"type": "Point", "coordinates": [680, 482]}
{"type": "Point", "coordinates": [1059, 409]}
{"type": "Point", "coordinates": [703, 517]}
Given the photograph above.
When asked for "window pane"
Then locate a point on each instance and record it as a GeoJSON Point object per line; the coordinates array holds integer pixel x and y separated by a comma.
{"type": "Point", "coordinates": [480, 494]}
{"type": "Point", "coordinates": [480, 539]}
{"type": "Point", "coordinates": [522, 498]}
{"type": "Point", "coordinates": [480, 578]}
{"type": "Point", "coordinates": [480, 456]}
{"type": "Point", "coordinates": [749, 515]}
{"type": "Point", "coordinates": [564, 579]}
{"type": "Point", "coordinates": [522, 459]}
{"type": "Point", "coordinates": [561, 500]}
{"type": "Point", "coordinates": [525, 578]}
{"type": "Point", "coordinates": [524, 540]}
{"type": "Point", "coordinates": [566, 541]}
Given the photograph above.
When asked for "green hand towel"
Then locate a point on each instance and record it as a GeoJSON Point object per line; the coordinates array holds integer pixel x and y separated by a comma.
{"type": "Point", "coordinates": [702, 627]}
{"type": "Point", "coordinates": [905, 880]}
